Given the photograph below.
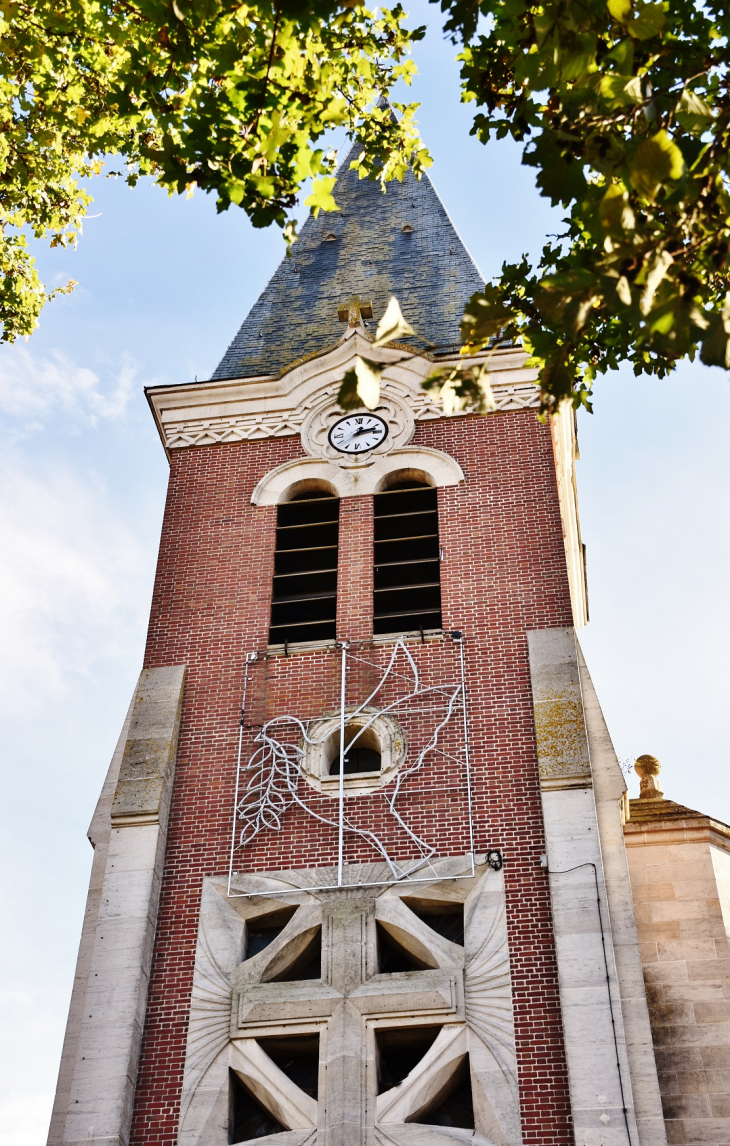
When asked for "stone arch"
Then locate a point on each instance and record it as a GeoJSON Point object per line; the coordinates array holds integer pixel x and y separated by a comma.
{"type": "Point", "coordinates": [408, 473]}
{"type": "Point", "coordinates": [308, 485]}
{"type": "Point", "coordinates": [295, 477]}
{"type": "Point", "coordinates": [371, 475]}
{"type": "Point", "coordinates": [419, 463]}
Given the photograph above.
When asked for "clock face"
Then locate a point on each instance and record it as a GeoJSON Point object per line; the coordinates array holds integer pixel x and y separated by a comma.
{"type": "Point", "coordinates": [358, 433]}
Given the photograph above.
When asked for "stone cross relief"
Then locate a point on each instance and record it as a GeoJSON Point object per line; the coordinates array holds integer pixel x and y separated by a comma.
{"type": "Point", "coordinates": [461, 994]}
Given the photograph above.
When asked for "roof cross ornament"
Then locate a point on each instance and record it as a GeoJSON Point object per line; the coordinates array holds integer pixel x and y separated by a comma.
{"type": "Point", "coordinates": [354, 311]}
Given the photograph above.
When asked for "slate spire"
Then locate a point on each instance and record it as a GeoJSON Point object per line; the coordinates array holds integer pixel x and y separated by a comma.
{"type": "Point", "coordinates": [400, 243]}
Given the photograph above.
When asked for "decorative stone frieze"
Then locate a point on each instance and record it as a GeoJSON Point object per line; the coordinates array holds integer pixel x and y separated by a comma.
{"type": "Point", "coordinates": [255, 427]}
{"type": "Point", "coordinates": [251, 409]}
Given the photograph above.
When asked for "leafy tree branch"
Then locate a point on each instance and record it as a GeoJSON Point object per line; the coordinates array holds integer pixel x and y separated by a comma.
{"type": "Point", "coordinates": [623, 109]}
{"type": "Point", "coordinates": [228, 97]}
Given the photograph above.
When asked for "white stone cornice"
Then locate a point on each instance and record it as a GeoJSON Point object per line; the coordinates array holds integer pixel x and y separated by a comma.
{"type": "Point", "coordinates": [248, 409]}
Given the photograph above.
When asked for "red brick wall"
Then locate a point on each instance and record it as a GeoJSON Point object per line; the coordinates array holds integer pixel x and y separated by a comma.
{"type": "Point", "coordinates": [503, 573]}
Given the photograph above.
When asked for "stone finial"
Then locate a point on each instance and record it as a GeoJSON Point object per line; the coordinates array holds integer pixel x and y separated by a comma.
{"type": "Point", "coordinates": [647, 769]}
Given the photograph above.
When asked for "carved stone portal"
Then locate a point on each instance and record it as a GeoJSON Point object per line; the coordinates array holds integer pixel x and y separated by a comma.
{"type": "Point", "coordinates": [411, 1004]}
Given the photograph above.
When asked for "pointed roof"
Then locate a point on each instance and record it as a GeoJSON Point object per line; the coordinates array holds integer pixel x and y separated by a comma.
{"type": "Point", "coordinates": [400, 243]}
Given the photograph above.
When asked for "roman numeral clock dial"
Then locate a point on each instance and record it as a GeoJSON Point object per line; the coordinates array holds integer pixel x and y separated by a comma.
{"type": "Point", "coordinates": [358, 433]}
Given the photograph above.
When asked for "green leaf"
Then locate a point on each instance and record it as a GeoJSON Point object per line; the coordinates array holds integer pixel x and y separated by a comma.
{"type": "Point", "coordinates": [617, 91]}
{"type": "Point", "coordinates": [274, 140]}
{"type": "Point", "coordinates": [485, 402]}
{"type": "Point", "coordinates": [623, 290]}
{"type": "Point", "coordinates": [622, 55]}
{"type": "Point", "coordinates": [656, 272]}
{"type": "Point", "coordinates": [568, 299]}
{"type": "Point", "coordinates": [463, 388]}
{"type": "Point", "coordinates": [692, 103]}
{"type": "Point", "coordinates": [485, 316]}
{"type": "Point", "coordinates": [559, 377]}
{"type": "Point", "coordinates": [633, 91]}
{"type": "Point", "coordinates": [392, 325]}
{"type": "Point", "coordinates": [693, 113]}
{"type": "Point", "coordinates": [347, 396]}
{"type": "Point", "coordinates": [604, 152]}
{"type": "Point", "coordinates": [361, 385]}
{"type": "Point", "coordinates": [620, 10]}
{"type": "Point", "coordinates": [290, 236]}
{"type": "Point", "coordinates": [322, 198]}
{"type": "Point", "coordinates": [657, 161]}
{"type": "Point", "coordinates": [368, 381]}
{"type": "Point", "coordinates": [641, 23]}
{"type": "Point", "coordinates": [716, 342]}
{"type": "Point", "coordinates": [560, 176]}
{"type": "Point", "coordinates": [614, 211]}
{"type": "Point", "coordinates": [236, 192]}
{"type": "Point", "coordinates": [648, 22]}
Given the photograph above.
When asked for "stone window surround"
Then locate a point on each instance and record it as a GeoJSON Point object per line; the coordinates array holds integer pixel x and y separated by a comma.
{"type": "Point", "coordinates": [422, 463]}
{"type": "Point", "coordinates": [316, 759]}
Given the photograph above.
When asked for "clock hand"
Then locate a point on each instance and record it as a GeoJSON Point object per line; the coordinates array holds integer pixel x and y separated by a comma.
{"type": "Point", "coordinates": [363, 430]}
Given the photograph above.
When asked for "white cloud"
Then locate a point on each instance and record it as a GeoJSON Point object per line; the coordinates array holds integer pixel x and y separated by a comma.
{"type": "Point", "coordinates": [74, 579]}
{"type": "Point", "coordinates": [24, 1118]}
{"type": "Point", "coordinates": [32, 387]}
{"type": "Point", "coordinates": [25, 1105]}
{"type": "Point", "coordinates": [76, 564]}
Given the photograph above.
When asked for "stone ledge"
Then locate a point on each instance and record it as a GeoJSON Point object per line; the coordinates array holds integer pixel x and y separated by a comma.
{"type": "Point", "coordinates": [680, 831]}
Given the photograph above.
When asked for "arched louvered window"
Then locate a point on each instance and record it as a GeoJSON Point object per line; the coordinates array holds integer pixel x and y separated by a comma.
{"type": "Point", "coordinates": [304, 604]}
{"type": "Point", "coordinates": [407, 565]}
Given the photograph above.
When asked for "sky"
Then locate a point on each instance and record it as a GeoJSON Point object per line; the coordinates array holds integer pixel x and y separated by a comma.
{"type": "Point", "coordinates": [163, 286]}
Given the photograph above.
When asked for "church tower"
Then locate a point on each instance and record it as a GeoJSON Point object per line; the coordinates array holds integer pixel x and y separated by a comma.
{"type": "Point", "coordinates": [359, 873]}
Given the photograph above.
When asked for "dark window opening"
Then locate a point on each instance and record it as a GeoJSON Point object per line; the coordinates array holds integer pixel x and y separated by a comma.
{"type": "Point", "coordinates": [247, 1118]}
{"type": "Point", "coordinates": [362, 756]}
{"type": "Point", "coordinates": [263, 930]}
{"type": "Point", "coordinates": [407, 569]}
{"type": "Point", "coordinates": [356, 760]}
{"type": "Point", "coordinates": [399, 1050]}
{"type": "Point", "coordinates": [304, 602]}
{"type": "Point", "coordinates": [447, 919]}
{"type": "Point", "coordinates": [307, 965]}
{"type": "Point", "coordinates": [454, 1106]}
{"type": "Point", "coordinates": [393, 956]}
{"type": "Point", "coordinates": [298, 1057]}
